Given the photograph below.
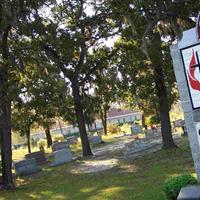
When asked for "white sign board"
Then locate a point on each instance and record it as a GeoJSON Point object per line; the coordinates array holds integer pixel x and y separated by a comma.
{"type": "Point", "coordinates": [198, 131]}
{"type": "Point", "coordinates": [191, 61]}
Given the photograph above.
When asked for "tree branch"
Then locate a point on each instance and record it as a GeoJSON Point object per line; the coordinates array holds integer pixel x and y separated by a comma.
{"type": "Point", "coordinates": [52, 54]}
{"type": "Point", "coordinates": [97, 65]}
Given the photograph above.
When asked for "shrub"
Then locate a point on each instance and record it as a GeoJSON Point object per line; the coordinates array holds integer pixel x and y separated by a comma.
{"type": "Point", "coordinates": [58, 137]}
{"type": "Point", "coordinates": [126, 128]}
{"type": "Point", "coordinates": [173, 185]}
{"type": "Point", "coordinates": [113, 128]}
{"type": "Point", "coordinates": [42, 143]}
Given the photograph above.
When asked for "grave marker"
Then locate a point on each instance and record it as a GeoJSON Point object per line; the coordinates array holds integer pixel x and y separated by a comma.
{"type": "Point", "coordinates": [178, 123]}
{"type": "Point", "coordinates": [25, 167]}
{"type": "Point", "coordinates": [39, 156]}
{"type": "Point", "coordinates": [95, 139]}
{"type": "Point", "coordinates": [136, 129]}
{"type": "Point", "coordinates": [61, 156]}
{"type": "Point", "coordinates": [60, 145]}
{"type": "Point", "coordinates": [72, 140]}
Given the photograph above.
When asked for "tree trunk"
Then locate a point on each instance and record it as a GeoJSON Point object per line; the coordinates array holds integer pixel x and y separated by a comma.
{"type": "Point", "coordinates": [28, 139]}
{"type": "Point", "coordinates": [144, 120]}
{"type": "Point", "coordinates": [164, 117]}
{"type": "Point", "coordinates": [5, 132]}
{"type": "Point", "coordinates": [48, 136]}
{"type": "Point", "coordinates": [80, 120]}
{"type": "Point", "coordinates": [60, 126]}
{"type": "Point", "coordinates": [103, 115]}
{"type": "Point", "coordinates": [162, 93]}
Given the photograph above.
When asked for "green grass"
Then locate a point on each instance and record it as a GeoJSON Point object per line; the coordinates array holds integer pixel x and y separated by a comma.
{"type": "Point", "coordinates": [136, 179]}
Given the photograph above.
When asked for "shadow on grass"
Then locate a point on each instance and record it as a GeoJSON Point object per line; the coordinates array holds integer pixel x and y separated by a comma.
{"type": "Point", "coordinates": [134, 179]}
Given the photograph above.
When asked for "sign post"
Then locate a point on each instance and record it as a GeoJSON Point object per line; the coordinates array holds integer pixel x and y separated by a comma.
{"type": "Point", "coordinates": [186, 62]}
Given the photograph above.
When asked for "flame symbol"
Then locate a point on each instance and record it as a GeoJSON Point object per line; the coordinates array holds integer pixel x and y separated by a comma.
{"type": "Point", "coordinates": [194, 83]}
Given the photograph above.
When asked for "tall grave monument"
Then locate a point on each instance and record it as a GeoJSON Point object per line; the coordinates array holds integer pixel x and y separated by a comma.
{"type": "Point", "coordinates": [186, 61]}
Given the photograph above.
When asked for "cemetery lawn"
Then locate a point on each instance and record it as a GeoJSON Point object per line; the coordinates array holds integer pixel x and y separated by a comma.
{"type": "Point", "coordinates": [134, 179]}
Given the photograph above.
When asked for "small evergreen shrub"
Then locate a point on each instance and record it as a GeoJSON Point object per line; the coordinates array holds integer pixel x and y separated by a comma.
{"type": "Point", "coordinates": [173, 185]}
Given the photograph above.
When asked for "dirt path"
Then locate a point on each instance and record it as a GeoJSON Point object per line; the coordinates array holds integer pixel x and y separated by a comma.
{"type": "Point", "coordinates": [108, 156]}
{"type": "Point", "coordinates": [105, 157]}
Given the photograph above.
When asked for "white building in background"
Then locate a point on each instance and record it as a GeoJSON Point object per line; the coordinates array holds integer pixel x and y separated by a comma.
{"type": "Point", "coordinates": [120, 116]}
{"type": "Point", "coordinates": [114, 116]}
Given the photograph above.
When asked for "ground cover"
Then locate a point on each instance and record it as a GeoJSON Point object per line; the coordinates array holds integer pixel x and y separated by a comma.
{"type": "Point", "coordinates": [133, 179]}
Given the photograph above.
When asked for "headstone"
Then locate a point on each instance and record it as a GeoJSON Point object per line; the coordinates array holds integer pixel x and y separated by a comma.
{"type": "Point", "coordinates": [95, 139]}
{"type": "Point", "coordinates": [39, 157]}
{"type": "Point", "coordinates": [136, 144]}
{"type": "Point", "coordinates": [185, 55]}
{"type": "Point", "coordinates": [25, 167]}
{"type": "Point", "coordinates": [153, 134]}
{"type": "Point", "coordinates": [16, 146]}
{"type": "Point", "coordinates": [41, 148]}
{"type": "Point", "coordinates": [60, 145]}
{"type": "Point", "coordinates": [61, 157]}
{"type": "Point", "coordinates": [135, 147]}
{"type": "Point", "coordinates": [189, 193]}
{"type": "Point", "coordinates": [178, 123]}
{"type": "Point", "coordinates": [136, 129]}
{"type": "Point", "coordinates": [72, 140]}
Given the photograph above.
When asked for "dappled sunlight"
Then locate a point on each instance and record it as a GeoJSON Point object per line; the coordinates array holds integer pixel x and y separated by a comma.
{"type": "Point", "coordinates": [47, 195]}
{"type": "Point", "coordinates": [87, 190]}
{"type": "Point", "coordinates": [89, 166]}
{"type": "Point", "coordinates": [110, 192]}
{"type": "Point", "coordinates": [106, 177]}
{"type": "Point", "coordinates": [20, 181]}
{"type": "Point", "coordinates": [129, 168]}
{"type": "Point", "coordinates": [20, 153]}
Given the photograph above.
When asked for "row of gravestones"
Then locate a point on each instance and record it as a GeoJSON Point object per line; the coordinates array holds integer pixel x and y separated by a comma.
{"type": "Point", "coordinates": [136, 129]}
{"type": "Point", "coordinates": [152, 139]}
{"type": "Point", "coordinates": [60, 151]}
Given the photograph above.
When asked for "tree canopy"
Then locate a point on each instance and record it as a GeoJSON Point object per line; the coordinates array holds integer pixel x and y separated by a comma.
{"type": "Point", "coordinates": [55, 61]}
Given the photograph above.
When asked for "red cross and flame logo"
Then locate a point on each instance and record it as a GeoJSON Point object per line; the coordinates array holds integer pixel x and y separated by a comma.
{"type": "Point", "coordinates": [194, 63]}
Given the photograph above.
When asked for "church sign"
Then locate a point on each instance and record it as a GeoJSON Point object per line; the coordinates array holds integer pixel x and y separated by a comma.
{"type": "Point", "coordinates": [191, 60]}
{"type": "Point", "coordinates": [186, 62]}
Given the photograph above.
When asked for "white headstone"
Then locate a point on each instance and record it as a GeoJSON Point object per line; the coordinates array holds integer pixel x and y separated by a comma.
{"type": "Point", "coordinates": [72, 140]}
{"type": "Point", "coordinates": [136, 129]}
{"type": "Point", "coordinates": [95, 139]}
{"type": "Point", "coordinates": [179, 123]}
{"type": "Point", "coordinates": [62, 156]}
{"type": "Point", "coordinates": [60, 145]}
{"type": "Point", "coordinates": [25, 167]}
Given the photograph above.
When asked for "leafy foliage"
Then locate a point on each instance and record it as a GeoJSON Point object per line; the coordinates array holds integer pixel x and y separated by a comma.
{"type": "Point", "coordinates": [113, 128]}
{"type": "Point", "coordinates": [58, 137]}
{"type": "Point", "coordinates": [126, 128]}
{"type": "Point", "coordinates": [42, 143]}
{"type": "Point", "coordinates": [173, 185]}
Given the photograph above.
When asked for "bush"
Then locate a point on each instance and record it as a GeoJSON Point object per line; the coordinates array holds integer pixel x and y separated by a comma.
{"type": "Point", "coordinates": [42, 143]}
{"type": "Point", "coordinates": [173, 185]}
{"type": "Point", "coordinates": [58, 137]}
{"type": "Point", "coordinates": [113, 128]}
{"type": "Point", "coordinates": [126, 128]}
